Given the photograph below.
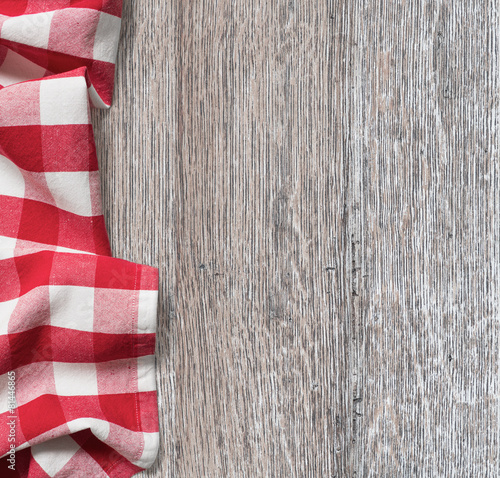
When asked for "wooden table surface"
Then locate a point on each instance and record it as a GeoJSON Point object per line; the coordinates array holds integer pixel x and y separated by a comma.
{"type": "Point", "coordinates": [318, 183]}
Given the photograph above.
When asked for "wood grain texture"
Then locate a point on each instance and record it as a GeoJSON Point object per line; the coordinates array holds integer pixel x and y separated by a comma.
{"type": "Point", "coordinates": [318, 183]}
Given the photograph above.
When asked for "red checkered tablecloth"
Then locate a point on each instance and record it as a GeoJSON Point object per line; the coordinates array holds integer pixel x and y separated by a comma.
{"type": "Point", "coordinates": [77, 326]}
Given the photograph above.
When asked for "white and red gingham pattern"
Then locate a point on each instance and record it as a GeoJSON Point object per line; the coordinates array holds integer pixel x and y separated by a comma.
{"type": "Point", "coordinates": [40, 38]}
{"type": "Point", "coordinates": [77, 326]}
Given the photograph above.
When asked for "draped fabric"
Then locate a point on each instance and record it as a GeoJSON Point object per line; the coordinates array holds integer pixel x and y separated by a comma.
{"type": "Point", "coordinates": [77, 326]}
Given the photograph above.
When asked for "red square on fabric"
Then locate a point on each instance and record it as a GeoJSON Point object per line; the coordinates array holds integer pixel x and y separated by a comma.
{"type": "Point", "coordinates": [77, 20]}
{"type": "Point", "coordinates": [5, 363]}
{"type": "Point", "coordinates": [40, 415]}
{"type": "Point", "coordinates": [108, 6]}
{"type": "Point", "coordinates": [116, 274]}
{"type": "Point", "coordinates": [102, 74]}
{"type": "Point", "coordinates": [76, 232]}
{"type": "Point", "coordinates": [34, 269]}
{"type": "Point", "coordinates": [12, 209]}
{"type": "Point", "coordinates": [73, 269]}
{"type": "Point", "coordinates": [68, 148]}
{"type": "Point", "coordinates": [97, 4]}
{"type": "Point", "coordinates": [35, 6]}
{"type": "Point", "coordinates": [103, 454]}
{"type": "Point", "coordinates": [114, 346]}
{"type": "Point", "coordinates": [149, 278]}
{"type": "Point", "coordinates": [71, 346]}
{"type": "Point", "coordinates": [77, 407]}
{"type": "Point", "coordinates": [148, 405]}
{"type": "Point", "coordinates": [101, 239]}
{"type": "Point", "coordinates": [10, 8]}
{"type": "Point", "coordinates": [62, 62]}
{"type": "Point", "coordinates": [11, 285]}
{"type": "Point", "coordinates": [23, 458]}
{"type": "Point", "coordinates": [3, 50]}
{"type": "Point", "coordinates": [31, 346]}
{"type": "Point", "coordinates": [23, 146]}
{"type": "Point", "coordinates": [120, 409]}
{"type": "Point", "coordinates": [39, 222]}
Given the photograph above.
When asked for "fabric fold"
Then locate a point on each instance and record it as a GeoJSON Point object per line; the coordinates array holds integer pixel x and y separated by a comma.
{"type": "Point", "coordinates": [56, 36]}
{"type": "Point", "coordinates": [77, 326]}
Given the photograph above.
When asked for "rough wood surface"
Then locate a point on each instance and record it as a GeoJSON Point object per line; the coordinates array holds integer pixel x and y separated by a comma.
{"type": "Point", "coordinates": [318, 183]}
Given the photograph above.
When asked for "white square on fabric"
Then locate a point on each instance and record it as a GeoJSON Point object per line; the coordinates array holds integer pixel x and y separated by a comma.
{"type": "Point", "coordinates": [105, 43]}
{"type": "Point", "coordinates": [150, 451]}
{"type": "Point", "coordinates": [74, 379]}
{"type": "Point", "coordinates": [20, 104]}
{"type": "Point", "coordinates": [11, 179]}
{"type": "Point", "coordinates": [148, 303]}
{"type": "Point", "coordinates": [54, 454]}
{"type": "Point", "coordinates": [7, 247]}
{"type": "Point", "coordinates": [6, 309]}
{"type": "Point", "coordinates": [146, 376]}
{"type": "Point", "coordinates": [71, 191]}
{"type": "Point", "coordinates": [4, 397]}
{"type": "Point", "coordinates": [15, 68]}
{"type": "Point", "coordinates": [100, 428]}
{"type": "Point", "coordinates": [72, 307]}
{"type": "Point", "coordinates": [64, 101]}
{"type": "Point", "coordinates": [33, 30]}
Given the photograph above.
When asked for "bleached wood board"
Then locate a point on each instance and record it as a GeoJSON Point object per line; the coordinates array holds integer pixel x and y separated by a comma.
{"type": "Point", "coordinates": [318, 183]}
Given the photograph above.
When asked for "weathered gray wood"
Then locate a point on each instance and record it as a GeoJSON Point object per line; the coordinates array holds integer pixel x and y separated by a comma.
{"type": "Point", "coordinates": [424, 112]}
{"type": "Point", "coordinates": [137, 146]}
{"type": "Point", "coordinates": [318, 183]}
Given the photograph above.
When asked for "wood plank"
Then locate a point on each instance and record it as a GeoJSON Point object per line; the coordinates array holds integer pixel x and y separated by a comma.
{"type": "Point", "coordinates": [136, 142]}
{"type": "Point", "coordinates": [262, 346]}
{"type": "Point", "coordinates": [424, 121]}
{"type": "Point", "coordinates": [318, 184]}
